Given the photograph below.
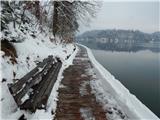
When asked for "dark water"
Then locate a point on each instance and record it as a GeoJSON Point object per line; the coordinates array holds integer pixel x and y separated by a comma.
{"type": "Point", "coordinates": [138, 71]}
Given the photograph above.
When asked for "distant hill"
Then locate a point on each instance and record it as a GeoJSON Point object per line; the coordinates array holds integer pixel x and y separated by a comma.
{"type": "Point", "coordinates": [120, 35]}
{"type": "Point", "coordinates": [156, 36]}
{"type": "Point", "coordinates": [120, 40]}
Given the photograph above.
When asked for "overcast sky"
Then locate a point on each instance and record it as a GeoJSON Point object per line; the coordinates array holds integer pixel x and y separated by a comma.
{"type": "Point", "coordinates": [142, 16]}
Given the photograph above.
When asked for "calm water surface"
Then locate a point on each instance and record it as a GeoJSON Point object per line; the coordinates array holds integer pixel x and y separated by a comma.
{"type": "Point", "coordinates": [138, 71]}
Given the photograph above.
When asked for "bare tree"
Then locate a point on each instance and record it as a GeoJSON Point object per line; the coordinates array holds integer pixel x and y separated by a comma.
{"type": "Point", "coordinates": [55, 17]}
{"type": "Point", "coordinates": [86, 10]}
{"type": "Point", "coordinates": [67, 15]}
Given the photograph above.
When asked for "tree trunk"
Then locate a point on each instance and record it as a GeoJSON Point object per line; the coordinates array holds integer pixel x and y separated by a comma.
{"type": "Point", "coordinates": [55, 18]}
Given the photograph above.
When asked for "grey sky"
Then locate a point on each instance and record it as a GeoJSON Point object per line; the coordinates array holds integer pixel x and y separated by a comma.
{"type": "Point", "coordinates": [142, 16]}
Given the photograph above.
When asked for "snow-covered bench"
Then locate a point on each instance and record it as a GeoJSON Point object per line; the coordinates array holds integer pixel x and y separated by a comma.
{"type": "Point", "coordinates": [32, 91]}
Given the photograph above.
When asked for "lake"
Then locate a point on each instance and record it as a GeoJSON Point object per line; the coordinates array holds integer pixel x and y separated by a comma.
{"type": "Point", "coordinates": [138, 71]}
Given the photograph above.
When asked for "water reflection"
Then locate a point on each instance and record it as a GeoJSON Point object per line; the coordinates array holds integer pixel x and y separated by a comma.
{"type": "Point", "coordinates": [129, 46]}
{"type": "Point", "coordinates": [138, 71]}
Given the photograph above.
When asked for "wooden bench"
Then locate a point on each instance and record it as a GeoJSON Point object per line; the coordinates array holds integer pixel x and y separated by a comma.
{"type": "Point", "coordinates": [32, 91]}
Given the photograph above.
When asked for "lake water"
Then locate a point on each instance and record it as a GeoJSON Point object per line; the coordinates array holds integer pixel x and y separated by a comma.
{"type": "Point", "coordinates": [138, 71]}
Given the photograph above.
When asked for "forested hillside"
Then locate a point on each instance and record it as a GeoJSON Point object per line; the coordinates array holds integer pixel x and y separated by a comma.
{"type": "Point", "coordinates": [123, 40]}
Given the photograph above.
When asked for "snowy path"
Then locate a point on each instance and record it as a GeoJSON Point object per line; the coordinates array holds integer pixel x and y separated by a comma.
{"type": "Point", "coordinates": [89, 92]}
{"type": "Point", "coordinates": [76, 100]}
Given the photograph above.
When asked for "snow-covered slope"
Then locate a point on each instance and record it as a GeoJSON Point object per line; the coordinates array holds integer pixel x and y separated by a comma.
{"type": "Point", "coordinates": [108, 89]}
{"type": "Point", "coordinates": [29, 52]}
{"type": "Point", "coordinates": [35, 43]}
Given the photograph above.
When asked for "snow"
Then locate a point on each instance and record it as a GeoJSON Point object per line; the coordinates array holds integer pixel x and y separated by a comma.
{"type": "Point", "coordinates": [10, 109]}
{"type": "Point", "coordinates": [83, 91]}
{"type": "Point", "coordinates": [30, 51]}
{"type": "Point", "coordinates": [87, 114]}
{"type": "Point", "coordinates": [110, 92]}
{"type": "Point", "coordinates": [24, 50]}
{"type": "Point", "coordinates": [25, 97]}
{"type": "Point", "coordinates": [115, 111]}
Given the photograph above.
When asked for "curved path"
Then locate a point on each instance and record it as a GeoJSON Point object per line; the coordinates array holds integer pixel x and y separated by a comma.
{"type": "Point", "coordinates": [76, 100]}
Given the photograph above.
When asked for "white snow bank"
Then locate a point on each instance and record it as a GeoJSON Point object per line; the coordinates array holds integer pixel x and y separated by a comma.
{"type": "Point", "coordinates": [9, 109]}
{"type": "Point", "coordinates": [30, 51]}
{"type": "Point", "coordinates": [132, 107]}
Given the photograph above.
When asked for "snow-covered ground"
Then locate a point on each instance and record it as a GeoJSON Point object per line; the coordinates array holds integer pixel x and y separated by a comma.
{"type": "Point", "coordinates": [29, 52]}
{"type": "Point", "coordinates": [109, 91]}
{"type": "Point", "coordinates": [33, 42]}
{"type": "Point", "coordinates": [116, 97]}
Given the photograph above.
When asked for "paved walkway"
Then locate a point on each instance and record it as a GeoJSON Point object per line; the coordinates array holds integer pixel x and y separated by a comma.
{"type": "Point", "coordinates": [76, 101]}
